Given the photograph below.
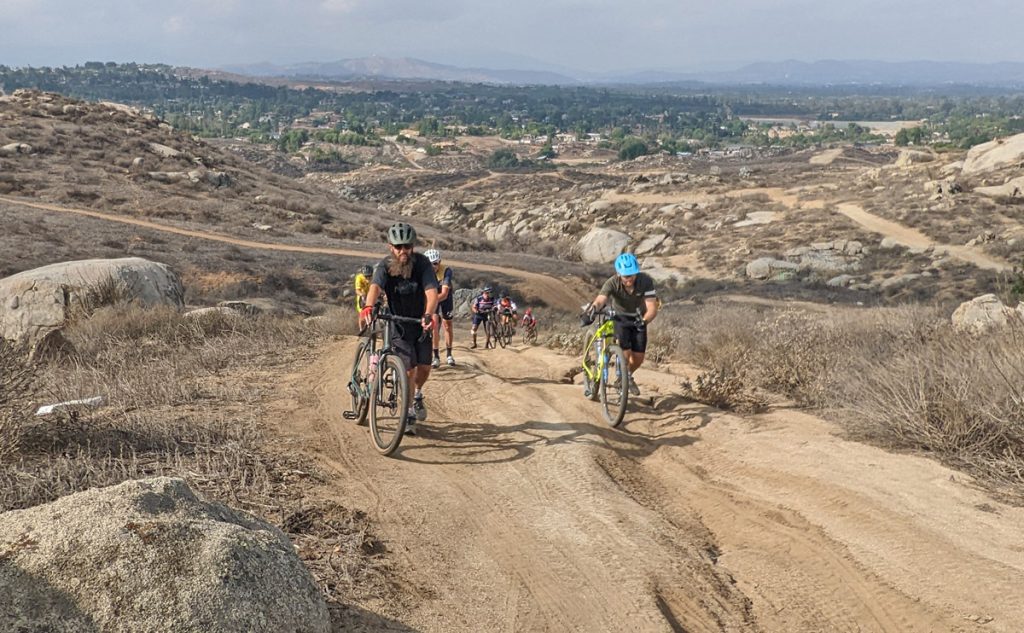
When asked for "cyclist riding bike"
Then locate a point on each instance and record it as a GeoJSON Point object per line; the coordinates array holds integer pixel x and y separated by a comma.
{"type": "Point", "coordinates": [481, 307]}
{"type": "Point", "coordinates": [529, 321]}
{"type": "Point", "coordinates": [408, 281]}
{"type": "Point", "coordinates": [362, 286]}
{"type": "Point", "coordinates": [632, 296]}
{"type": "Point", "coordinates": [445, 307]}
{"type": "Point", "coordinates": [508, 310]}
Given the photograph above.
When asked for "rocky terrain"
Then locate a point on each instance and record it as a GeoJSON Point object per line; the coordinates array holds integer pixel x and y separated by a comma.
{"type": "Point", "coordinates": [829, 426]}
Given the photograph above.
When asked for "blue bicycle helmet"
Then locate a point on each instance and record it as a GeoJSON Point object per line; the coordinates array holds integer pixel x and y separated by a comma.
{"type": "Point", "coordinates": [626, 264]}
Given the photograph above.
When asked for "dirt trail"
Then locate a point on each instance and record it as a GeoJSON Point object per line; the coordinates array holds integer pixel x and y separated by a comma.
{"type": "Point", "coordinates": [915, 239]}
{"type": "Point", "coordinates": [517, 509]}
{"type": "Point", "coordinates": [558, 294]}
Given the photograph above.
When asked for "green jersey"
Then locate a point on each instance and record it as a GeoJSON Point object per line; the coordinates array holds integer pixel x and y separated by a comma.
{"type": "Point", "coordinates": [624, 301]}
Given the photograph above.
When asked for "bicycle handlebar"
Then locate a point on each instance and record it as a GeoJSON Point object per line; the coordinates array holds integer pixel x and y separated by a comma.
{"type": "Point", "coordinates": [610, 313]}
{"type": "Point", "coordinates": [383, 315]}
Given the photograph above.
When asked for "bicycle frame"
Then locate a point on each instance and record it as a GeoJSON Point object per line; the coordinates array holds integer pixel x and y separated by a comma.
{"type": "Point", "coordinates": [603, 337]}
{"type": "Point", "coordinates": [379, 331]}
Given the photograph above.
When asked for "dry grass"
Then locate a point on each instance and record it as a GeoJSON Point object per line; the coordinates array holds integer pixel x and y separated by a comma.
{"type": "Point", "coordinates": [899, 377]}
{"type": "Point", "coordinates": [184, 397]}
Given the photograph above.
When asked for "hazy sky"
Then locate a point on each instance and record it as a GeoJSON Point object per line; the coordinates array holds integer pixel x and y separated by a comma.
{"type": "Point", "coordinates": [590, 35]}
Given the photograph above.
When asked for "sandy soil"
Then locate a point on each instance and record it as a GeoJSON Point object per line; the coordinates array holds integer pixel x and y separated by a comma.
{"type": "Point", "coordinates": [518, 509]}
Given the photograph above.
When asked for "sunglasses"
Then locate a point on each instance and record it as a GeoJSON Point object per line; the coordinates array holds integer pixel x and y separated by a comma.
{"type": "Point", "coordinates": [402, 247]}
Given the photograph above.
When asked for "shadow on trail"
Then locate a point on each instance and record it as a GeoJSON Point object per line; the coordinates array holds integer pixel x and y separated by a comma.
{"type": "Point", "coordinates": [487, 443]}
{"type": "Point", "coordinates": [351, 617]}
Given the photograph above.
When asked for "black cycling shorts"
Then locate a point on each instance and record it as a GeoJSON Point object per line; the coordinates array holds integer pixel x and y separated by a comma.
{"type": "Point", "coordinates": [631, 337]}
{"type": "Point", "coordinates": [412, 350]}
{"type": "Point", "coordinates": [446, 308]}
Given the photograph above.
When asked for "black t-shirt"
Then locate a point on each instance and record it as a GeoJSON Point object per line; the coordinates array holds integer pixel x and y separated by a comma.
{"type": "Point", "coordinates": [406, 296]}
{"type": "Point", "coordinates": [625, 302]}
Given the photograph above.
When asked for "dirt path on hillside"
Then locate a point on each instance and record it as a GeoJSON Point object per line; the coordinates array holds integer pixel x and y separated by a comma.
{"type": "Point", "coordinates": [517, 509]}
{"type": "Point", "coordinates": [912, 238]}
{"type": "Point", "coordinates": [788, 197]}
{"type": "Point", "coordinates": [555, 291]}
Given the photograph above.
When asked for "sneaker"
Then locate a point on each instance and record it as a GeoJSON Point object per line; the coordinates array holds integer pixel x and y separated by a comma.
{"type": "Point", "coordinates": [473, 346]}
{"type": "Point", "coordinates": [451, 361]}
{"type": "Point", "coordinates": [419, 409]}
{"type": "Point", "coordinates": [410, 425]}
{"type": "Point", "coordinates": [435, 363]}
{"type": "Point", "coordinates": [633, 389]}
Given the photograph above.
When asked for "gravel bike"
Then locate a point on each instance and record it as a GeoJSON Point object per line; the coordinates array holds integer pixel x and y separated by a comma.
{"type": "Point", "coordinates": [530, 333]}
{"type": "Point", "coordinates": [491, 330]}
{"type": "Point", "coordinates": [379, 384]}
{"type": "Point", "coordinates": [605, 368]}
{"type": "Point", "coordinates": [504, 327]}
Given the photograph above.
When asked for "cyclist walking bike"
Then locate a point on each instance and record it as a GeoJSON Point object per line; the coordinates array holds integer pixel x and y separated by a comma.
{"type": "Point", "coordinates": [408, 281]}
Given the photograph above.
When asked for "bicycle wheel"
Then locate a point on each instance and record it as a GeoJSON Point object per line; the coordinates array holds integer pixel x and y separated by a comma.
{"type": "Point", "coordinates": [501, 332]}
{"type": "Point", "coordinates": [615, 386]}
{"type": "Point", "coordinates": [491, 333]}
{"type": "Point", "coordinates": [530, 337]}
{"type": "Point", "coordinates": [590, 387]}
{"type": "Point", "coordinates": [359, 383]}
{"type": "Point", "coordinates": [390, 403]}
{"type": "Point", "coordinates": [508, 334]}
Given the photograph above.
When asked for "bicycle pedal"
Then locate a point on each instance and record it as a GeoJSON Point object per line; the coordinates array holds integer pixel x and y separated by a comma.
{"type": "Point", "coordinates": [349, 415]}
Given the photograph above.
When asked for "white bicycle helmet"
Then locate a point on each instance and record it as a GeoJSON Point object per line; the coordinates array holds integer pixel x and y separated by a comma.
{"type": "Point", "coordinates": [433, 255]}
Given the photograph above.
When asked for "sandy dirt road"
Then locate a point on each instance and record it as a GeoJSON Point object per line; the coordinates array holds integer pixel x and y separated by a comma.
{"type": "Point", "coordinates": [913, 238]}
{"type": "Point", "coordinates": [517, 509]}
{"type": "Point", "coordinates": [556, 291]}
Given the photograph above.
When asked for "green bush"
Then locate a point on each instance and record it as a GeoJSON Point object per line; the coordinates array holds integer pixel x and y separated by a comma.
{"type": "Point", "coordinates": [503, 158]}
{"type": "Point", "coordinates": [632, 148]}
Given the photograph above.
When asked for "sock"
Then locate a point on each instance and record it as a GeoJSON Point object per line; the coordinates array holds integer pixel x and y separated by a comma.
{"type": "Point", "coordinates": [418, 394]}
{"type": "Point", "coordinates": [449, 350]}
{"type": "Point", "coordinates": [436, 354]}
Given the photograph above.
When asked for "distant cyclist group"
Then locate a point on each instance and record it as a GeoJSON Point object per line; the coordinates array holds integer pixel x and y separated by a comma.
{"type": "Point", "coordinates": [420, 302]}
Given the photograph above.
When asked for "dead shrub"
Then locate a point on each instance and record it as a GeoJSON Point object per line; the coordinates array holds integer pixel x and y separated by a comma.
{"type": "Point", "coordinates": [959, 397]}
{"type": "Point", "coordinates": [724, 390]}
{"type": "Point", "coordinates": [17, 386]}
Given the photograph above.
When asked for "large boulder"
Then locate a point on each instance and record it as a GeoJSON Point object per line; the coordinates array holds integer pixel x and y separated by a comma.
{"type": "Point", "coordinates": [602, 246]}
{"type": "Point", "coordinates": [910, 157]}
{"type": "Point", "coordinates": [35, 302]}
{"type": "Point", "coordinates": [1002, 152]}
{"type": "Point", "coordinates": [771, 268]}
{"type": "Point", "coordinates": [984, 313]}
{"type": "Point", "coordinates": [1013, 188]}
{"type": "Point", "coordinates": [150, 555]}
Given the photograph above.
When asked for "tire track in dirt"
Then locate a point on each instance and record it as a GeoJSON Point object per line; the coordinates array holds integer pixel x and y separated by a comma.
{"type": "Point", "coordinates": [516, 508]}
{"type": "Point", "coordinates": [555, 291]}
{"type": "Point", "coordinates": [536, 539]}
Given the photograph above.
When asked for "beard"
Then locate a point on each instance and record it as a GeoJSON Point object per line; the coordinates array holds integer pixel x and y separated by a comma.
{"type": "Point", "coordinates": [397, 269]}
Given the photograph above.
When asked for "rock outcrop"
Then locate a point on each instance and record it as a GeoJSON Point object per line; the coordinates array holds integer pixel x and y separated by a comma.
{"type": "Point", "coordinates": [150, 555]}
{"type": "Point", "coordinates": [994, 155]}
{"type": "Point", "coordinates": [35, 302]}
{"type": "Point", "coordinates": [602, 246]}
{"type": "Point", "coordinates": [984, 313]}
{"type": "Point", "coordinates": [770, 268]}
{"type": "Point", "coordinates": [1013, 188]}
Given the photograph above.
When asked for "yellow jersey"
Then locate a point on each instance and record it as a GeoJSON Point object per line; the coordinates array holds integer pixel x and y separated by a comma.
{"type": "Point", "coordinates": [362, 287]}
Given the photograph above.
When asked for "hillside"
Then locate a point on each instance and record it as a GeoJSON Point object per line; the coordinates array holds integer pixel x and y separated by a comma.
{"type": "Point", "coordinates": [816, 446]}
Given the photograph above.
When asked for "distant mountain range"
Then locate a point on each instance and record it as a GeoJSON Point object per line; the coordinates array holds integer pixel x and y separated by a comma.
{"type": "Point", "coordinates": [797, 73]}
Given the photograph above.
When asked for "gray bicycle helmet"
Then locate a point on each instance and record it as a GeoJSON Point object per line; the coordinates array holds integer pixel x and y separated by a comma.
{"type": "Point", "coordinates": [433, 255]}
{"type": "Point", "coordinates": [366, 271]}
{"type": "Point", "coordinates": [401, 233]}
